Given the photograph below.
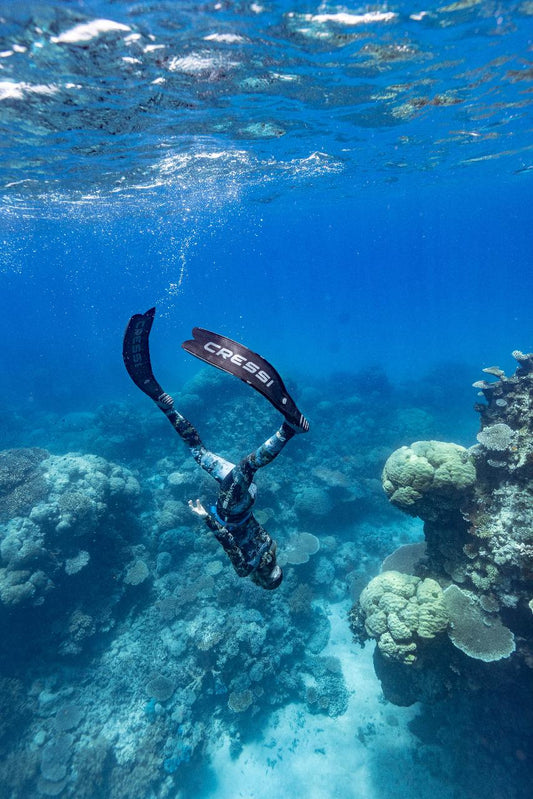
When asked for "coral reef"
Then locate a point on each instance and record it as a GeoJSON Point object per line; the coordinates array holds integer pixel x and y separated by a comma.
{"type": "Point", "coordinates": [400, 610]}
{"type": "Point", "coordinates": [71, 531]}
{"type": "Point", "coordinates": [473, 631]}
{"type": "Point", "coordinates": [122, 581]}
{"type": "Point", "coordinates": [299, 548]}
{"type": "Point", "coordinates": [477, 508]}
{"type": "Point", "coordinates": [135, 647]}
{"type": "Point", "coordinates": [428, 478]}
{"type": "Point", "coordinates": [21, 481]}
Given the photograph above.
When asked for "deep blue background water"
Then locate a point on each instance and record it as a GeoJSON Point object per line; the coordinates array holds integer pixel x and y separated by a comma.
{"type": "Point", "coordinates": [396, 276]}
{"type": "Point", "coordinates": [332, 190]}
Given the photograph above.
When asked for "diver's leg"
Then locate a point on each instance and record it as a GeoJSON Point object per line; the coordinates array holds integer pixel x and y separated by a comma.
{"type": "Point", "coordinates": [213, 464]}
{"type": "Point", "coordinates": [266, 453]}
{"type": "Point", "coordinates": [237, 491]}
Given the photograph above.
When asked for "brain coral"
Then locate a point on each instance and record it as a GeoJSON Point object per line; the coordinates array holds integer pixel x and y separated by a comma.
{"type": "Point", "coordinates": [420, 478]}
{"type": "Point", "coordinates": [399, 610]}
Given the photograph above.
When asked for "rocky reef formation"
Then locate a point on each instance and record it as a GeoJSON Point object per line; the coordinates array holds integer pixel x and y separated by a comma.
{"type": "Point", "coordinates": [68, 525]}
{"type": "Point", "coordinates": [129, 644]}
{"type": "Point", "coordinates": [457, 609]}
{"type": "Point", "coordinates": [130, 648]}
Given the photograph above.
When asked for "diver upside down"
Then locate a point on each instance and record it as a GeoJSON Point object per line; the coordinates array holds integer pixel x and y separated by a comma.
{"type": "Point", "coordinates": [249, 547]}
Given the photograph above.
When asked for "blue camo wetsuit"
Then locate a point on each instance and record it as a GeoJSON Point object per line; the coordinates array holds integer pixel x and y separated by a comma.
{"type": "Point", "coordinates": [248, 545]}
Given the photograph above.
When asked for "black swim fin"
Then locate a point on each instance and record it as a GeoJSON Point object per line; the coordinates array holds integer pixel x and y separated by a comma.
{"type": "Point", "coordinates": [238, 360]}
{"type": "Point", "coordinates": [136, 353]}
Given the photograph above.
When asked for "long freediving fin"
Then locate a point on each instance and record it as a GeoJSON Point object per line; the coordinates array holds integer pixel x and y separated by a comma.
{"type": "Point", "coordinates": [136, 353]}
{"type": "Point", "coordinates": [238, 360]}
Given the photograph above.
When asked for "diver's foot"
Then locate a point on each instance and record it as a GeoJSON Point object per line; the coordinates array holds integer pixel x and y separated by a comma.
{"type": "Point", "coordinates": [301, 427]}
{"type": "Point", "coordinates": [268, 580]}
{"type": "Point", "coordinates": [165, 402]}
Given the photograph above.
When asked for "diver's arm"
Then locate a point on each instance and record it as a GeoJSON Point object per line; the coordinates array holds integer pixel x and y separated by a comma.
{"type": "Point", "coordinates": [197, 508]}
{"type": "Point", "coordinates": [225, 538]}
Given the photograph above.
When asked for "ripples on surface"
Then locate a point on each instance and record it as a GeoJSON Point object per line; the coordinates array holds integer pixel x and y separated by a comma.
{"type": "Point", "coordinates": [99, 99]}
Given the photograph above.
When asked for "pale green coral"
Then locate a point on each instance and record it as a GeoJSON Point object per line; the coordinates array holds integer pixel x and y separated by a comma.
{"type": "Point", "coordinates": [418, 476]}
{"type": "Point", "coordinates": [487, 580]}
{"type": "Point", "coordinates": [406, 653]}
{"type": "Point", "coordinates": [405, 467]}
{"type": "Point", "coordinates": [399, 609]}
{"type": "Point", "coordinates": [432, 611]}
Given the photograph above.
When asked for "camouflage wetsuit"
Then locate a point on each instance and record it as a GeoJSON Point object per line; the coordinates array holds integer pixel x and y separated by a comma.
{"type": "Point", "coordinates": [247, 544]}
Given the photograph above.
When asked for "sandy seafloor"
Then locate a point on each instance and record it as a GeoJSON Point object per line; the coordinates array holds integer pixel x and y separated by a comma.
{"type": "Point", "coordinates": [367, 753]}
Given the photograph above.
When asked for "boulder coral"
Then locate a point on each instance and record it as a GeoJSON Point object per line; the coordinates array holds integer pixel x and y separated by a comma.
{"type": "Point", "coordinates": [427, 477]}
{"type": "Point", "coordinates": [400, 610]}
{"type": "Point", "coordinates": [477, 509]}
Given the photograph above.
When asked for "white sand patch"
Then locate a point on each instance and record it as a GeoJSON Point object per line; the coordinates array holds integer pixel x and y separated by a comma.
{"type": "Point", "coordinates": [365, 754]}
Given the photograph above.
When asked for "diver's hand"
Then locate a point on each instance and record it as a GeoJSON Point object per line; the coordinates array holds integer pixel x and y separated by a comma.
{"type": "Point", "coordinates": [197, 508]}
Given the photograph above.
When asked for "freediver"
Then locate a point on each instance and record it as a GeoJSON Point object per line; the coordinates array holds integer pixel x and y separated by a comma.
{"type": "Point", "coordinates": [249, 547]}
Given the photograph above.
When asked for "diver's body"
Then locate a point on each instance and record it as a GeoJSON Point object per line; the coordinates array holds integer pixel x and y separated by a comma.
{"type": "Point", "coordinates": [248, 545]}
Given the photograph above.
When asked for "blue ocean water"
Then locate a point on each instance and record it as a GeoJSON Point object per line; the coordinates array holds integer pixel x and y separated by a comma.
{"type": "Point", "coordinates": [346, 189]}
